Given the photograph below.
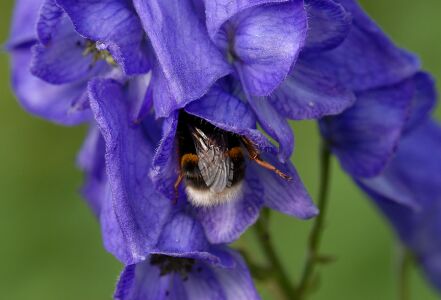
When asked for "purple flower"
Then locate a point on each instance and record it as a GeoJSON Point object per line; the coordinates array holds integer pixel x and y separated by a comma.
{"type": "Point", "coordinates": [23, 23]}
{"type": "Point", "coordinates": [258, 43]}
{"type": "Point", "coordinates": [51, 69]}
{"type": "Point", "coordinates": [365, 137]}
{"type": "Point", "coordinates": [367, 58]}
{"type": "Point", "coordinates": [388, 88]}
{"type": "Point", "coordinates": [130, 152]}
{"type": "Point", "coordinates": [191, 276]}
{"type": "Point", "coordinates": [116, 26]}
{"type": "Point", "coordinates": [53, 102]}
{"type": "Point", "coordinates": [164, 248]}
{"type": "Point", "coordinates": [408, 192]}
{"type": "Point", "coordinates": [195, 43]}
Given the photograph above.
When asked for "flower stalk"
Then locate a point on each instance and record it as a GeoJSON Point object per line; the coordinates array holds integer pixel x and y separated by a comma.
{"type": "Point", "coordinates": [280, 275]}
{"type": "Point", "coordinates": [403, 273]}
{"type": "Point", "coordinates": [313, 257]}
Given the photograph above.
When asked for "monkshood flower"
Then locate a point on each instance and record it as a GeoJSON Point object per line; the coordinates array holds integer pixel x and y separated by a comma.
{"type": "Point", "coordinates": [367, 58]}
{"type": "Point", "coordinates": [195, 43]}
{"type": "Point", "coordinates": [165, 251]}
{"type": "Point", "coordinates": [130, 151]}
{"type": "Point", "coordinates": [408, 192]}
{"type": "Point", "coordinates": [365, 137]}
{"type": "Point", "coordinates": [116, 158]}
{"type": "Point", "coordinates": [383, 79]}
{"type": "Point", "coordinates": [192, 276]}
{"type": "Point", "coordinates": [389, 89]}
{"type": "Point", "coordinates": [38, 97]}
{"type": "Point", "coordinates": [58, 62]}
{"type": "Point", "coordinates": [261, 40]}
{"type": "Point", "coordinates": [171, 273]}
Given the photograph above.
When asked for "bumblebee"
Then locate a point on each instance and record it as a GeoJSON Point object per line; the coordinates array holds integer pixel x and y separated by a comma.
{"type": "Point", "coordinates": [212, 161]}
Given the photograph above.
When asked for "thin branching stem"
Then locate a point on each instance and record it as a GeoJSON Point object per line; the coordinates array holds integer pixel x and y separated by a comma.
{"type": "Point", "coordinates": [280, 275]}
{"type": "Point", "coordinates": [403, 273]}
{"type": "Point", "coordinates": [312, 256]}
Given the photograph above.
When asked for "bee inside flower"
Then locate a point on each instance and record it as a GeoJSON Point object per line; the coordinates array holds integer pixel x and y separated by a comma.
{"type": "Point", "coordinates": [212, 161]}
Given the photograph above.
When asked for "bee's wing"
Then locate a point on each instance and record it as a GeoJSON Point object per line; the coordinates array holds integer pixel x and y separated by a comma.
{"type": "Point", "coordinates": [215, 165]}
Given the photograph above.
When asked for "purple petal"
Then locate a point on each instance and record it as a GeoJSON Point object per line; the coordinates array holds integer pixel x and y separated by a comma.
{"type": "Point", "coordinates": [50, 16]}
{"type": "Point", "coordinates": [424, 99]}
{"type": "Point", "coordinates": [267, 41]}
{"type": "Point", "coordinates": [143, 282]}
{"type": "Point", "coordinates": [391, 188]}
{"type": "Point", "coordinates": [25, 17]}
{"type": "Point", "coordinates": [91, 161]}
{"type": "Point", "coordinates": [274, 124]}
{"type": "Point", "coordinates": [219, 11]}
{"type": "Point", "coordinates": [115, 24]}
{"type": "Point", "coordinates": [328, 25]}
{"type": "Point", "coordinates": [139, 89]}
{"type": "Point", "coordinates": [367, 58]}
{"type": "Point", "coordinates": [432, 266]}
{"type": "Point", "coordinates": [182, 234]}
{"type": "Point", "coordinates": [63, 61]}
{"type": "Point", "coordinates": [231, 114]}
{"type": "Point", "coordinates": [237, 283]}
{"type": "Point", "coordinates": [52, 102]}
{"type": "Point", "coordinates": [289, 197]}
{"type": "Point", "coordinates": [165, 165]}
{"type": "Point", "coordinates": [204, 281]}
{"type": "Point", "coordinates": [189, 61]}
{"type": "Point", "coordinates": [416, 166]}
{"type": "Point", "coordinates": [309, 94]}
{"type": "Point", "coordinates": [135, 209]}
{"type": "Point", "coordinates": [415, 173]}
{"type": "Point", "coordinates": [365, 136]}
{"type": "Point", "coordinates": [203, 284]}
{"type": "Point", "coordinates": [225, 223]}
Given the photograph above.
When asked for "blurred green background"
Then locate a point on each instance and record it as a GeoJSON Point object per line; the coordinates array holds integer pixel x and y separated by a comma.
{"type": "Point", "coordinates": [50, 244]}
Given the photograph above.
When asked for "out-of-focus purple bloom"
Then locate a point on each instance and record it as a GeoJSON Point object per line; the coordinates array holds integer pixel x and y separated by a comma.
{"type": "Point", "coordinates": [388, 87]}
{"type": "Point", "coordinates": [408, 192]}
{"type": "Point", "coordinates": [365, 137]}
{"type": "Point", "coordinates": [367, 58]}
{"type": "Point", "coordinates": [384, 80]}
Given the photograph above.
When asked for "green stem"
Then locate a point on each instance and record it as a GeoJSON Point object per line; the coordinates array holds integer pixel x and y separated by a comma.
{"type": "Point", "coordinates": [279, 273]}
{"type": "Point", "coordinates": [313, 257]}
{"type": "Point", "coordinates": [404, 268]}
{"type": "Point", "coordinates": [257, 271]}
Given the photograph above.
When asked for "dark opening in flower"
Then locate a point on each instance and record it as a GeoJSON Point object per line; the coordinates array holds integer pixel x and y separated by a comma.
{"type": "Point", "coordinates": [212, 161]}
{"type": "Point", "coordinates": [170, 264]}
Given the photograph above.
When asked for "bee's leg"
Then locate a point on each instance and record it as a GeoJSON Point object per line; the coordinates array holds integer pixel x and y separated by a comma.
{"type": "Point", "coordinates": [176, 186]}
{"type": "Point", "coordinates": [255, 156]}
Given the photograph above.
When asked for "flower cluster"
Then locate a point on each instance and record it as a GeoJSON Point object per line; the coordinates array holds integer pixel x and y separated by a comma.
{"type": "Point", "coordinates": [174, 91]}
